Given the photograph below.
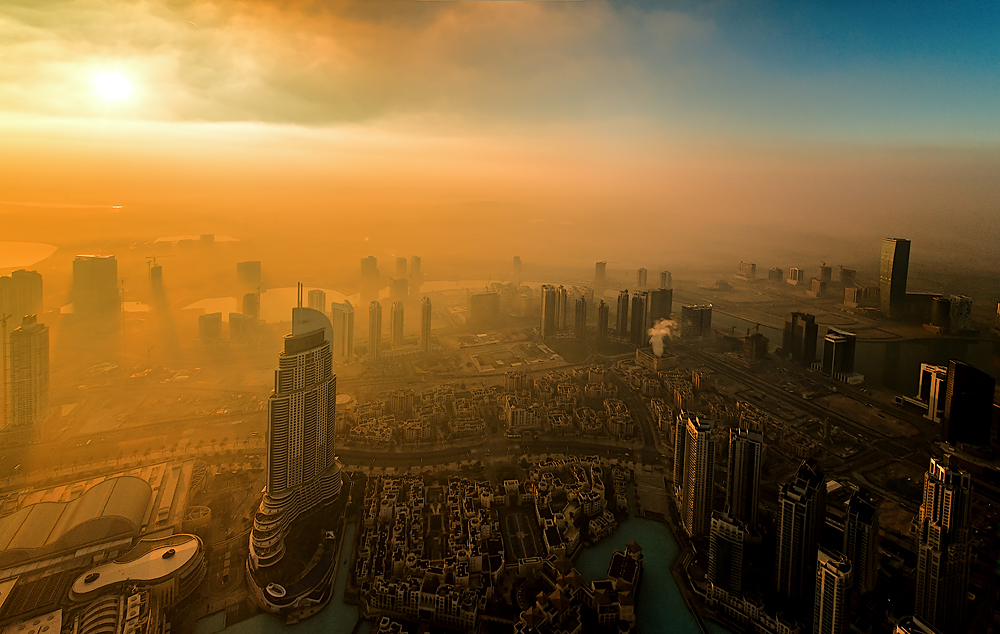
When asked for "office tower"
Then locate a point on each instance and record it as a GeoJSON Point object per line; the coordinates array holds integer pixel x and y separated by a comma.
{"type": "Point", "coordinates": [302, 471]}
{"type": "Point", "coordinates": [600, 273]}
{"type": "Point", "coordinates": [824, 274]}
{"type": "Point", "coordinates": [666, 280]}
{"type": "Point", "coordinates": [415, 272]}
{"type": "Point", "coordinates": [425, 324]}
{"type": "Point", "coordinates": [562, 307]}
{"type": "Point", "coordinates": [861, 539]}
{"type": "Point", "coordinates": [547, 326]}
{"type": "Point", "coordinates": [961, 311]}
{"type": "Point", "coordinates": [968, 405]}
{"type": "Point", "coordinates": [400, 267]}
{"type": "Point", "coordinates": [317, 300]}
{"type": "Point", "coordinates": [369, 271]}
{"type": "Point", "coordinates": [799, 338]}
{"type": "Point", "coordinates": [580, 323]}
{"type": "Point", "coordinates": [210, 328]}
{"type": "Point", "coordinates": [241, 328]}
{"type": "Point", "coordinates": [933, 389]}
{"type": "Point", "coordinates": [696, 321]}
{"type": "Point", "coordinates": [29, 292]}
{"type": "Point", "coordinates": [396, 325]}
{"type": "Point", "coordinates": [660, 304]}
{"type": "Point", "coordinates": [746, 271]}
{"type": "Point", "coordinates": [29, 373]}
{"type": "Point", "coordinates": [342, 343]}
{"type": "Point", "coordinates": [775, 275]}
{"type": "Point", "coordinates": [374, 332]}
{"type": "Point", "coordinates": [251, 305]}
{"type": "Point", "coordinates": [248, 273]}
{"type": "Point", "coordinates": [801, 514]}
{"type": "Point", "coordinates": [622, 316]}
{"type": "Point", "coordinates": [743, 479]}
{"type": "Point", "coordinates": [838, 352]}
{"type": "Point", "coordinates": [10, 303]}
{"type": "Point", "coordinates": [517, 270]}
{"type": "Point", "coordinates": [699, 476]}
{"type": "Point", "coordinates": [726, 551]}
{"type": "Point", "coordinates": [484, 308]}
{"type": "Point", "coordinates": [640, 329]}
{"type": "Point", "coordinates": [95, 285]}
{"type": "Point", "coordinates": [893, 267]}
{"type": "Point", "coordinates": [156, 279]}
{"type": "Point", "coordinates": [795, 276]}
{"type": "Point", "coordinates": [755, 346]}
{"type": "Point", "coordinates": [833, 582]}
{"type": "Point", "coordinates": [944, 547]}
{"type": "Point", "coordinates": [603, 316]}
{"type": "Point", "coordinates": [640, 279]}
{"type": "Point", "coordinates": [848, 277]}
{"type": "Point", "coordinates": [399, 288]}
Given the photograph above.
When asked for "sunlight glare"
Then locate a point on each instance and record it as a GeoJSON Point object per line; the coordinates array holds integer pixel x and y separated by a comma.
{"type": "Point", "coordinates": [112, 86]}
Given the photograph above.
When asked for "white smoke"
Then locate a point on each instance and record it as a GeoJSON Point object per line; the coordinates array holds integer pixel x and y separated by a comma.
{"type": "Point", "coordinates": [662, 329]}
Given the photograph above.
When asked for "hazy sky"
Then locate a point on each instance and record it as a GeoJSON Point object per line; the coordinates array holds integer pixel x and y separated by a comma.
{"type": "Point", "coordinates": [803, 117]}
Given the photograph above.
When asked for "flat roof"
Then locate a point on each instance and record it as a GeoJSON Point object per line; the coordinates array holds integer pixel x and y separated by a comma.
{"type": "Point", "coordinates": [148, 567]}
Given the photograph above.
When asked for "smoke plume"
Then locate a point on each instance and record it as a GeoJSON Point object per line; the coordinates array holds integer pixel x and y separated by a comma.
{"type": "Point", "coordinates": [663, 328]}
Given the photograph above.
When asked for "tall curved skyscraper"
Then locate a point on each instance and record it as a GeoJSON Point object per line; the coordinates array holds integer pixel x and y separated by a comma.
{"type": "Point", "coordinates": [302, 470]}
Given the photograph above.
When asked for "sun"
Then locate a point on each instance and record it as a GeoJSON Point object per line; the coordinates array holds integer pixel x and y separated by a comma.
{"type": "Point", "coordinates": [112, 86]}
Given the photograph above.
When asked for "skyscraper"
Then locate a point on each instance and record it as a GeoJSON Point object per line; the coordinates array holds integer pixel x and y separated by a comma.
{"type": "Point", "coordinates": [302, 470]}
{"type": "Point", "coordinates": [640, 329]}
{"type": "Point", "coordinates": [517, 270]}
{"type": "Point", "coordinates": [396, 324]}
{"type": "Point", "coordinates": [317, 300]}
{"type": "Point", "coordinates": [944, 547]}
{"type": "Point", "coordinates": [29, 292]}
{"type": "Point", "coordinates": [580, 323]}
{"type": "Point", "coordinates": [425, 324]}
{"type": "Point", "coordinates": [660, 305]}
{"type": "Point", "coordinates": [400, 267]}
{"type": "Point", "coordinates": [696, 321]}
{"type": "Point", "coordinates": [838, 352]}
{"type": "Point", "coordinates": [600, 273]}
{"type": "Point", "coordinates": [399, 289]}
{"type": "Point", "coordinates": [369, 271]}
{"type": "Point", "coordinates": [861, 539]}
{"type": "Point", "coordinates": [374, 332]}
{"type": "Point", "coordinates": [799, 338]}
{"type": "Point", "coordinates": [248, 273]}
{"type": "Point", "coordinates": [547, 326]}
{"type": "Point", "coordinates": [893, 267]}
{"type": "Point", "coordinates": [95, 285]}
{"type": "Point", "coordinates": [415, 272]}
{"type": "Point", "coordinates": [968, 405]}
{"type": "Point", "coordinates": [343, 331]}
{"type": "Point", "coordinates": [743, 479]}
{"type": "Point", "coordinates": [251, 305]}
{"type": "Point", "coordinates": [726, 551]}
{"type": "Point", "coordinates": [666, 280]}
{"type": "Point", "coordinates": [622, 316]}
{"type": "Point", "coordinates": [562, 308]}
{"type": "Point", "coordinates": [699, 476]}
{"type": "Point", "coordinates": [640, 279]}
{"type": "Point", "coordinates": [801, 515]}
{"type": "Point", "coordinates": [603, 316]}
{"type": "Point", "coordinates": [833, 581]}
{"type": "Point", "coordinates": [29, 373]}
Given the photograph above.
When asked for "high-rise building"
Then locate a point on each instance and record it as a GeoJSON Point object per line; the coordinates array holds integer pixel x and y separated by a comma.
{"type": "Point", "coordinates": [699, 476]}
{"type": "Point", "coordinates": [799, 338]}
{"type": "Point", "coordinates": [746, 271]}
{"type": "Point", "coordinates": [660, 306]}
{"type": "Point", "coordinates": [833, 583]}
{"type": "Point", "coordinates": [639, 329]}
{"type": "Point", "coordinates": [968, 405]}
{"type": "Point", "coordinates": [743, 480]}
{"type": "Point", "coordinates": [29, 292]}
{"type": "Point", "coordinates": [562, 308]}
{"type": "Point", "coordinates": [603, 316]}
{"type": "Point", "coordinates": [726, 551]}
{"type": "Point", "coordinates": [622, 316]}
{"type": "Point", "coordinates": [861, 539]}
{"type": "Point", "coordinates": [396, 324]}
{"type": "Point", "coordinates": [425, 324]}
{"type": "Point", "coordinates": [484, 308]}
{"type": "Point", "coordinates": [415, 272]}
{"type": "Point", "coordinates": [369, 271]}
{"type": "Point", "coordinates": [10, 303]}
{"type": "Point", "coordinates": [210, 328]}
{"type": "Point", "coordinates": [848, 277]}
{"type": "Point", "coordinates": [680, 459]}
{"type": "Point", "coordinates": [547, 326]}
{"type": "Point", "coordinates": [775, 275]}
{"type": "Point", "coordinates": [248, 273]}
{"type": "Point", "coordinates": [932, 390]}
{"type": "Point", "coordinates": [893, 267]}
{"type": "Point", "coordinates": [944, 547]}
{"type": "Point", "coordinates": [838, 352]}
{"type": "Point", "coordinates": [399, 289]}
{"type": "Point", "coordinates": [302, 471]}
{"type": "Point", "coordinates": [374, 332]}
{"type": "Point", "coordinates": [600, 273]}
{"type": "Point", "coordinates": [400, 267]}
{"type": "Point", "coordinates": [342, 344]}
{"type": "Point", "coordinates": [317, 300]}
{"type": "Point", "coordinates": [825, 273]}
{"type": "Point", "coordinates": [795, 276]}
{"type": "Point", "coordinates": [696, 321]}
{"type": "Point", "coordinates": [156, 279]}
{"type": "Point", "coordinates": [517, 270]}
{"type": "Point", "coordinates": [29, 373]}
{"type": "Point", "coordinates": [666, 280]}
{"type": "Point", "coordinates": [640, 279]}
{"type": "Point", "coordinates": [580, 323]}
{"type": "Point", "coordinates": [95, 285]}
{"type": "Point", "coordinates": [251, 305]}
{"type": "Point", "coordinates": [802, 512]}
